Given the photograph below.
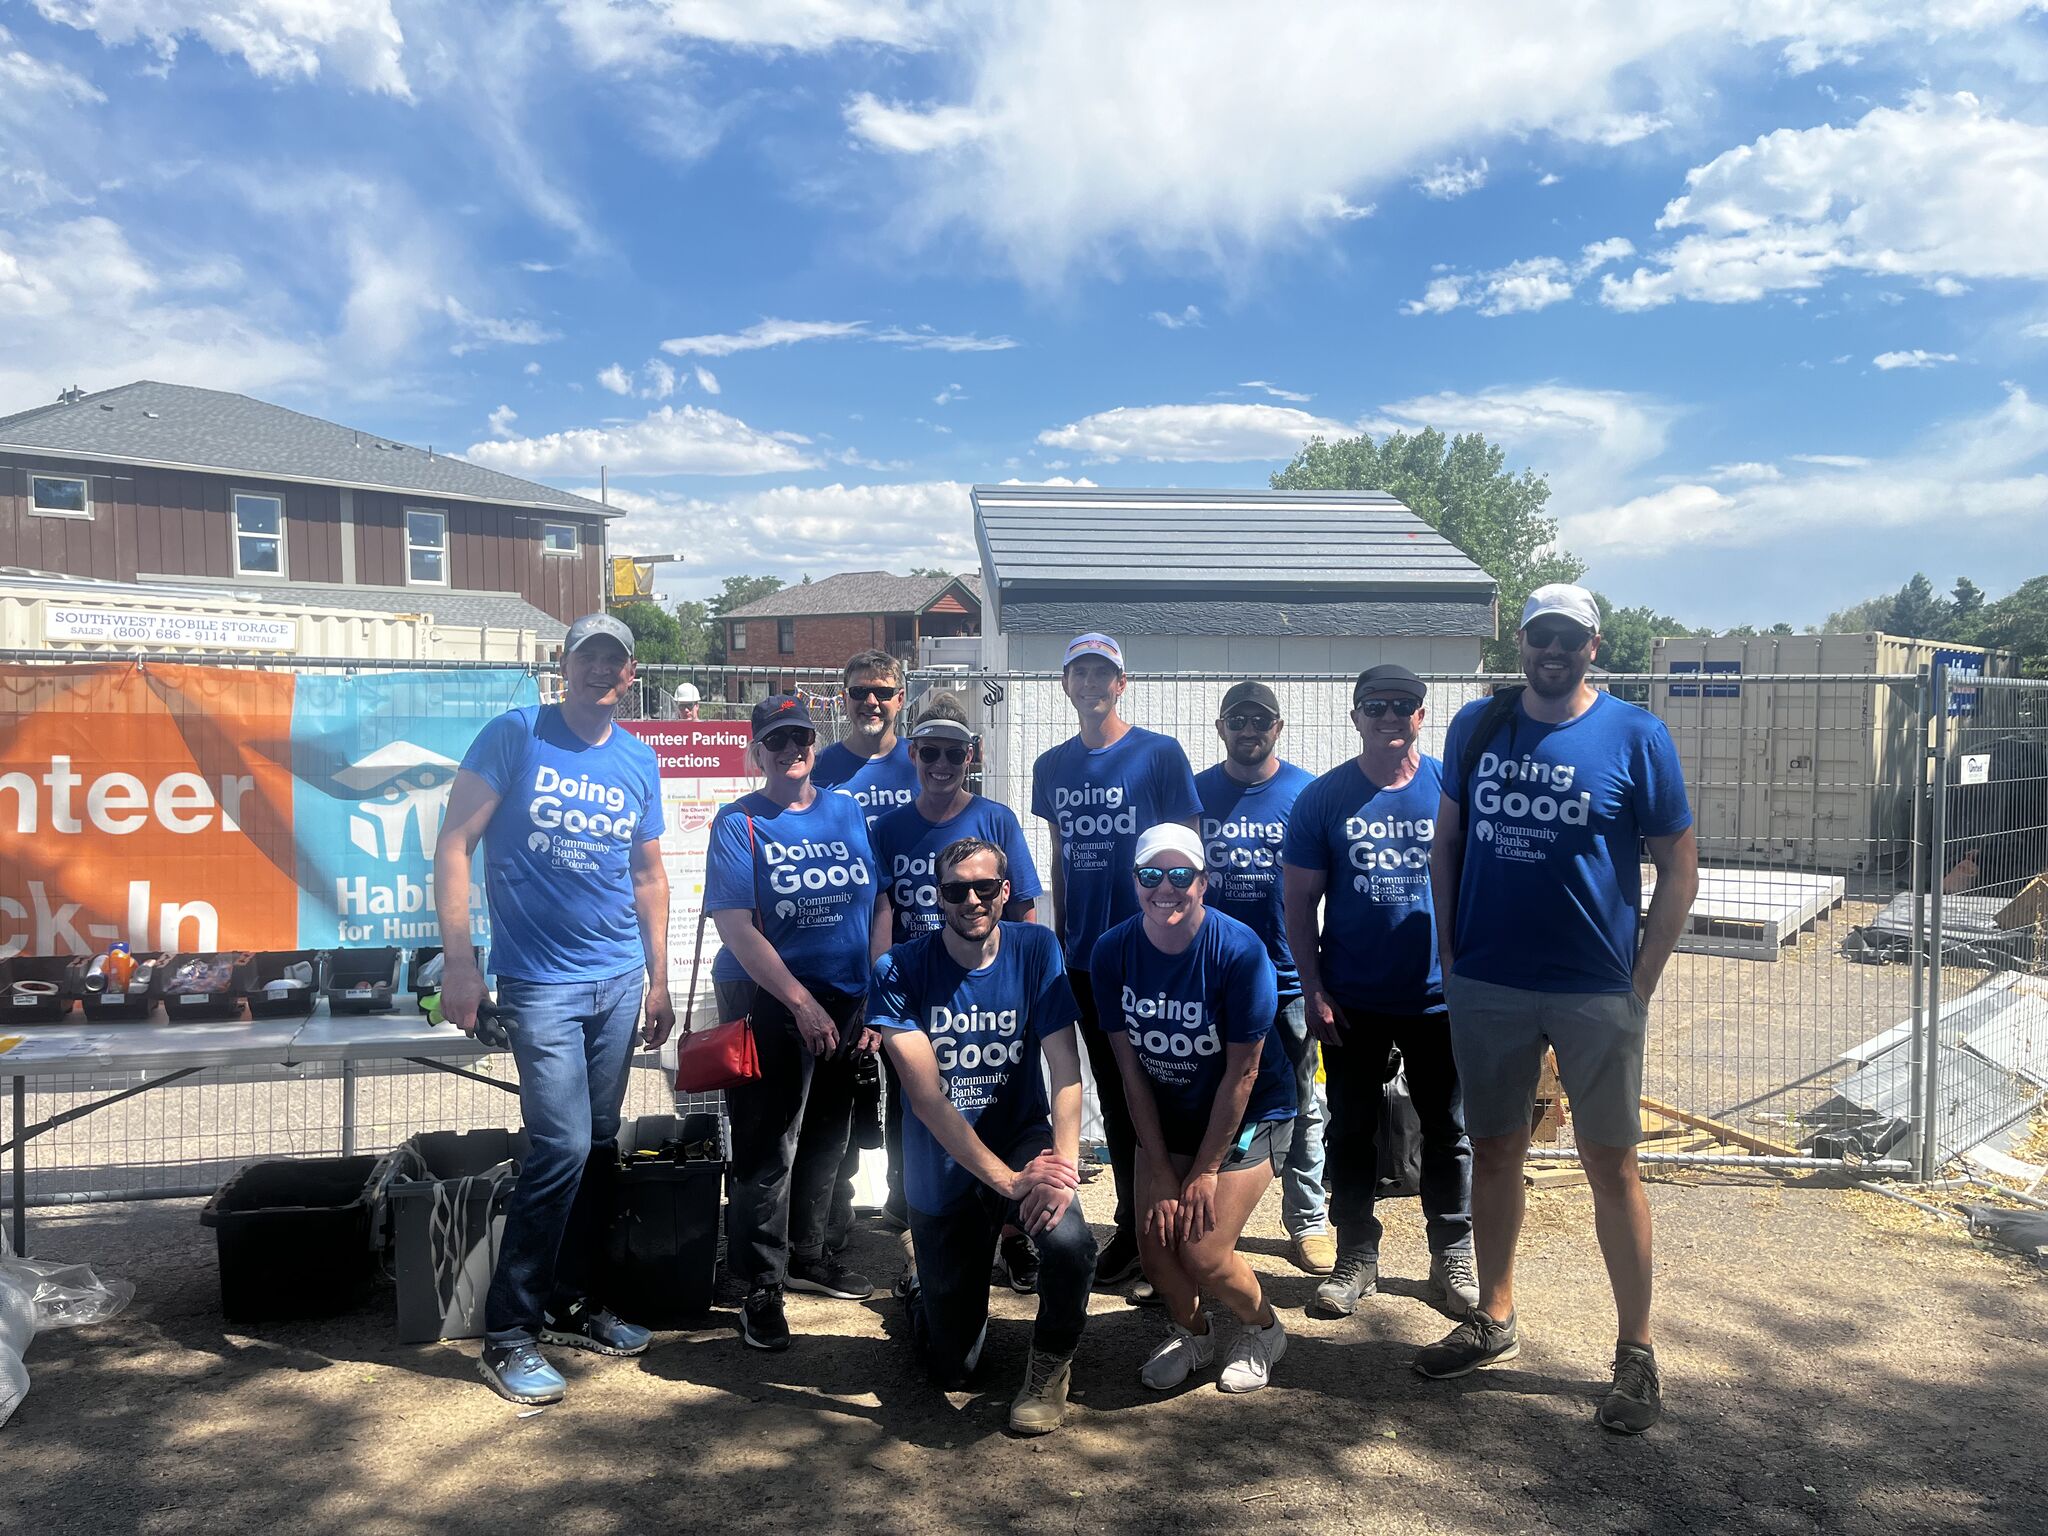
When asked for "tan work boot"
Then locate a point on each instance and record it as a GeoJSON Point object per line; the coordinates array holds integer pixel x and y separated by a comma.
{"type": "Point", "coordinates": [1315, 1252]}
{"type": "Point", "coordinates": [1041, 1407]}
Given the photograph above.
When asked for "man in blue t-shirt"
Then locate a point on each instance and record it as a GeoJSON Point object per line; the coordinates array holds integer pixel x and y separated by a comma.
{"type": "Point", "coordinates": [568, 807]}
{"type": "Point", "coordinates": [868, 760]}
{"type": "Point", "coordinates": [1359, 844]}
{"type": "Point", "coordinates": [964, 1013]}
{"type": "Point", "coordinates": [1246, 800]}
{"type": "Point", "coordinates": [1099, 789]}
{"type": "Point", "coordinates": [1552, 794]}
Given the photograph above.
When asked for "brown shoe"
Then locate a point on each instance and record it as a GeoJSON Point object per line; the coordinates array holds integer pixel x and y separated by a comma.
{"type": "Point", "coordinates": [1314, 1252]}
{"type": "Point", "coordinates": [1041, 1407]}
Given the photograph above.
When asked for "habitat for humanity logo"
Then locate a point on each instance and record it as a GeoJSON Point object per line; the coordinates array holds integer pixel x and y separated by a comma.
{"type": "Point", "coordinates": [398, 788]}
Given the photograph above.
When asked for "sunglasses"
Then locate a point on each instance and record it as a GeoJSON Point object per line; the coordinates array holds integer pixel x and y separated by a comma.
{"type": "Point", "coordinates": [1245, 721]}
{"type": "Point", "coordinates": [1570, 637]}
{"type": "Point", "coordinates": [1149, 876]}
{"type": "Point", "coordinates": [953, 755]}
{"type": "Point", "coordinates": [1400, 709]}
{"type": "Point", "coordinates": [789, 736]}
{"type": "Point", "coordinates": [879, 693]}
{"type": "Point", "coordinates": [953, 892]}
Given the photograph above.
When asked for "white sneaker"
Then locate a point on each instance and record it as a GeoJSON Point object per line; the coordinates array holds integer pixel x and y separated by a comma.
{"type": "Point", "coordinates": [1179, 1355]}
{"type": "Point", "coordinates": [1253, 1354]}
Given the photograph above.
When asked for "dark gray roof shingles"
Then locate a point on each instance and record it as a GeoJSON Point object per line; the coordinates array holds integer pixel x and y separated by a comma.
{"type": "Point", "coordinates": [210, 429]}
{"type": "Point", "coordinates": [853, 592]}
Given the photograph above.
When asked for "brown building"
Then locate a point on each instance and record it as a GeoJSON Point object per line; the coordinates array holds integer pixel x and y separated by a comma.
{"type": "Point", "coordinates": [163, 482]}
{"type": "Point", "coordinates": [821, 623]}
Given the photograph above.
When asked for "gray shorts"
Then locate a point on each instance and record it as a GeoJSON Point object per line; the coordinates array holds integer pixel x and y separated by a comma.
{"type": "Point", "coordinates": [1258, 1143]}
{"type": "Point", "coordinates": [1498, 1034]}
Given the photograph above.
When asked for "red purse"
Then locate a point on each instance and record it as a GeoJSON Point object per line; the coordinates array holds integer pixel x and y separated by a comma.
{"type": "Point", "coordinates": [724, 1054]}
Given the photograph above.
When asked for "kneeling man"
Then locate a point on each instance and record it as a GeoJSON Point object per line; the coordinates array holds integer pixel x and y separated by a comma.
{"type": "Point", "coordinates": [964, 1013]}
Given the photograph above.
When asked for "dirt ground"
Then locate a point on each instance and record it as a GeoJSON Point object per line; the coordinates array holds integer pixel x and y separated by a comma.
{"type": "Point", "coordinates": [1834, 1362]}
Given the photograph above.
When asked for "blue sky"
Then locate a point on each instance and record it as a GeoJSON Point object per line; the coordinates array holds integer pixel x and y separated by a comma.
{"type": "Point", "coordinates": [1759, 285]}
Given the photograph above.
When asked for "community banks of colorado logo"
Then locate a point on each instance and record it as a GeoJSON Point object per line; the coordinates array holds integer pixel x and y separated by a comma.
{"type": "Point", "coordinates": [400, 794]}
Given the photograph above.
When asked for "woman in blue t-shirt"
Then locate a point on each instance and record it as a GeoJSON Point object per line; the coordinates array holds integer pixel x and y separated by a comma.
{"type": "Point", "coordinates": [790, 882]}
{"type": "Point", "coordinates": [1188, 997]}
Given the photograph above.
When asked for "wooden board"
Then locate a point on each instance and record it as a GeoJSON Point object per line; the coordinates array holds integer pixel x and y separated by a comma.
{"type": "Point", "coordinates": [1751, 913]}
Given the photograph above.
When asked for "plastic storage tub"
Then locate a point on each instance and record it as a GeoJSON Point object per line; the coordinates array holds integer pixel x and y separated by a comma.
{"type": "Point", "coordinates": [253, 978]}
{"type": "Point", "coordinates": [442, 1197]}
{"type": "Point", "coordinates": [197, 986]}
{"type": "Point", "coordinates": [359, 980]}
{"type": "Point", "coordinates": [662, 1244]}
{"type": "Point", "coordinates": [294, 1237]}
{"type": "Point", "coordinates": [36, 990]}
{"type": "Point", "coordinates": [132, 1006]}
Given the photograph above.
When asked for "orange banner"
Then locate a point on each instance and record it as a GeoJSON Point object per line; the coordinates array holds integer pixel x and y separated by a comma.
{"type": "Point", "coordinates": [150, 803]}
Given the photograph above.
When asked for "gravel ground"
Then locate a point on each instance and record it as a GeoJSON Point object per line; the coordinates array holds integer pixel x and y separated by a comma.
{"type": "Point", "coordinates": [1834, 1362]}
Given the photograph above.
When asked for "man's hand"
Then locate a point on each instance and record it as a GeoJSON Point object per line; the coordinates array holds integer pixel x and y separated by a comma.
{"type": "Point", "coordinates": [462, 992]}
{"type": "Point", "coordinates": [1162, 1222]}
{"type": "Point", "coordinates": [659, 1017]}
{"type": "Point", "coordinates": [1043, 1207]}
{"type": "Point", "coordinates": [1051, 1169]}
{"type": "Point", "coordinates": [1197, 1208]}
{"type": "Point", "coordinates": [870, 1040]}
{"type": "Point", "coordinates": [1324, 1022]}
{"type": "Point", "coordinates": [815, 1025]}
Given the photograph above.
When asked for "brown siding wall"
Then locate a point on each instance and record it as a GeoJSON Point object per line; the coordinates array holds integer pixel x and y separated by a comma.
{"type": "Point", "coordinates": [178, 523]}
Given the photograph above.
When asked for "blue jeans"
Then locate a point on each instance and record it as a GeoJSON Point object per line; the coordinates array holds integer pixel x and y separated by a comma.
{"type": "Point", "coordinates": [1303, 1206]}
{"type": "Point", "coordinates": [1357, 1074]}
{"type": "Point", "coordinates": [573, 1042]}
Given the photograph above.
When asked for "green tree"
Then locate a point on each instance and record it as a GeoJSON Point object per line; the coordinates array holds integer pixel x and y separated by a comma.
{"type": "Point", "coordinates": [1626, 635]}
{"type": "Point", "coordinates": [2018, 622]}
{"type": "Point", "coordinates": [657, 637]}
{"type": "Point", "coordinates": [737, 592]}
{"type": "Point", "coordinates": [1917, 612]}
{"type": "Point", "coordinates": [1460, 488]}
{"type": "Point", "coordinates": [693, 619]}
{"type": "Point", "coordinates": [1966, 609]}
{"type": "Point", "coordinates": [929, 570]}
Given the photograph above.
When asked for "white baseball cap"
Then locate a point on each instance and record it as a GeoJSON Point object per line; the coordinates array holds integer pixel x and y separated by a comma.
{"type": "Point", "coordinates": [1093, 644]}
{"type": "Point", "coordinates": [1564, 600]}
{"type": "Point", "coordinates": [1169, 837]}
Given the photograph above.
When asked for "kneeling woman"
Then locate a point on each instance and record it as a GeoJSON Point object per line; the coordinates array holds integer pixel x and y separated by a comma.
{"type": "Point", "coordinates": [1212, 1101]}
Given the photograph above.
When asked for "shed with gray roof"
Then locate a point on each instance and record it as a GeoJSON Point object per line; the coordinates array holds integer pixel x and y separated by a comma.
{"type": "Point", "coordinates": [1243, 581]}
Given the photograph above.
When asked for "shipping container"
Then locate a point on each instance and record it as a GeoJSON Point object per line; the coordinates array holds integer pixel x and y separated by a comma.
{"type": "Point", "coordinates": [1807, 774]}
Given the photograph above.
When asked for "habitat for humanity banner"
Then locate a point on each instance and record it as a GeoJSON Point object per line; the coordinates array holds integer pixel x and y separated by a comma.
{"type": "Point", "coordinates": [203, 808]}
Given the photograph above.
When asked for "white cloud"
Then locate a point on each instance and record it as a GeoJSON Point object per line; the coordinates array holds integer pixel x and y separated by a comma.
{"type": "Point", "coordinates": [783, 333]}
{"type": "Point", "coordinates": [628, 32]}
{"type": "Point", "coordinates": [501, 421]}
{"type": "Point", "coordinates": [1611, 130]}
{"type": "Point", "coordinates": [792, 530]}
{"type": "Point", "coordinates": [78, 304]}
{"type": "Point", "coordinates": [277, 39]}
{"type": "Point", "coordinates": [1443, 295]}
{"type": "Point", "coordinates": [1520, 286]}
{"type": "Point", "coordinates": [1548, 179]}
{"type": "Point", "coordinates": [1748, 471]}
{"type": "Point", "coordinates": [949, 394]}
{"type": "Point", "coordinates": [1980, 469]}
{"type": "Point", "coordinates": [661, 379]}
{"type": "Point", "coordinates": [531, 369]}
{"type": "Point", "coordinates": [1917, 358]}
{"type": "Point", "coordinates": [708, 381]}
{"type": "Point", "coordinates": [1187, 317]}
{"type": "Point", "coordinates": [1839, 31]}
{"type": "Point", "coordinates": [912, 130]}
{"type": "Point", "coordinates": [1221, 432]}
{"type": "Point", "coordinates": [1942, 187]}
{"type": "Point", "coordinates": [1333, 205]}
{"type": "Point", "coordinates": [673, 440]}
{"type": "Point", "coordinates": [477, 331]}
{"type": "Point", "coordinates": [1452, 179]}
{"type": "Point", "coordinates": [1276, 391]}
{"type": "Point", "coordinates": [616, 379]}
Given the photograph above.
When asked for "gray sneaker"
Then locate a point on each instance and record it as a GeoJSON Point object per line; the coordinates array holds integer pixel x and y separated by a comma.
{"type": "Point", "coordinates": [1475, 1342]}
{"type": "Point", "coordinates": [1355, 1276]}
{"type": "Point", "coordinates": [1636, 1399]}
{"type": "Point", "coordinates": [1453, 1282]}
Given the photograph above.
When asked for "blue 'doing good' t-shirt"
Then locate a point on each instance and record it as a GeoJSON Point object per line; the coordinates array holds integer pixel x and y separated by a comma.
{"type": "Point", "coordinates": [1378, 949]}
{"type": "Point", "coordinates": [880, 784]}
{"type": "Point", "coordinates": [809, 879]}
{"type": "Point", "coordinates": [985, 1027]}
{"type": "Point", "coordinates": [907, 848]}
{"type": "Point", "coordinates": [1242, 828]}
{"type": "Point", "coordinates": [1179, 1012]}
{"type": "Point", "coordinates": [1555, 816]}
{"type": "Point", "coordinates": [558, 850]}
{"type": "Point", "coordinates": [1098, 801]}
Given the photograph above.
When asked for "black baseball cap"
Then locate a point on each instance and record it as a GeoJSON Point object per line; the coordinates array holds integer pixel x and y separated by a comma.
{"type": "Point", "coordinates": [778, 710]}
{"type": "Point", "coordinates": [1249, 692]}
{"type": "Point", "coordinates": [1388, 677]}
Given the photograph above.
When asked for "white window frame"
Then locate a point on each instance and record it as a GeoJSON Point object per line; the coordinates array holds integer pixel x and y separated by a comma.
{"type": "Point", "coordinates": [36, 511]}
{"type": "Point", "coordinates": [235, 500]}
{"type": "Point", "coordinates": [447, 556]}
{"type": "Point", "coordinates": [739, 635]}
{"type": "Point", "coordinates": [575, 534]}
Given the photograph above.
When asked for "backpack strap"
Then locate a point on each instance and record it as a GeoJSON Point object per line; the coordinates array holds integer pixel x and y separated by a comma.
{"type": "Point", "coordinates": [1504, 702]}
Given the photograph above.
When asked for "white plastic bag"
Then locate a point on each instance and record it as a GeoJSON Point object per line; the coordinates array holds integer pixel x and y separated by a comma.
{"type": "Point", "coordinates": [35, 1296]}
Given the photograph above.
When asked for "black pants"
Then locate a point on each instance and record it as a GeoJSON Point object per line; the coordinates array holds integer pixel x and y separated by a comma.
{"type": "Point", "coordinates": [1356, 1074]}
{"type": "Point", "coordinates": [840, 1227]}
{"type": "Point", "coordinates": [789, 1131]}
{"type": "Point", "coordinates": [954, 1251]}
{"type": "Point", "coordinates": [1117, 1129]}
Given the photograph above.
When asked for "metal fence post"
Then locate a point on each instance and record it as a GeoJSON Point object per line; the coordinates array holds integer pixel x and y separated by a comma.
{"type": "Point", "coordinates": [1917, 884]}
{"type": "Point", "coordinates": [1937, 869]}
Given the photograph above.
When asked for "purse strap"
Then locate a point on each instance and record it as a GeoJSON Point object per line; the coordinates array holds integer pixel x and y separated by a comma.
{"type": "Point", "coordinates": [697, 954]}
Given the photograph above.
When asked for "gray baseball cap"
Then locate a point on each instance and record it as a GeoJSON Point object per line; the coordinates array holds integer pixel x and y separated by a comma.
{"type": "Point", "coordinates": [594, 624]}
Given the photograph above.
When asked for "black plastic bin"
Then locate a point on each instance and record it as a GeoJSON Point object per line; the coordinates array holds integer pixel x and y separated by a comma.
{"type": "Point", "coordinates": [441, 1197]}
{"type": "Point", "coordinates": [359, 980]}
{"type": "Point", "coordinates": [185, 999]}
{"type": "Point", "coordinates": [294, 1238]}
{"type": "Point", "coordinates": [253, 978]}
{"type": "Point", "coordinates": [31, 1004]}
{"type": "Point", "coordinates": [662, 1244]}
{"type": "Point", "coordinates": [132, 1006]}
